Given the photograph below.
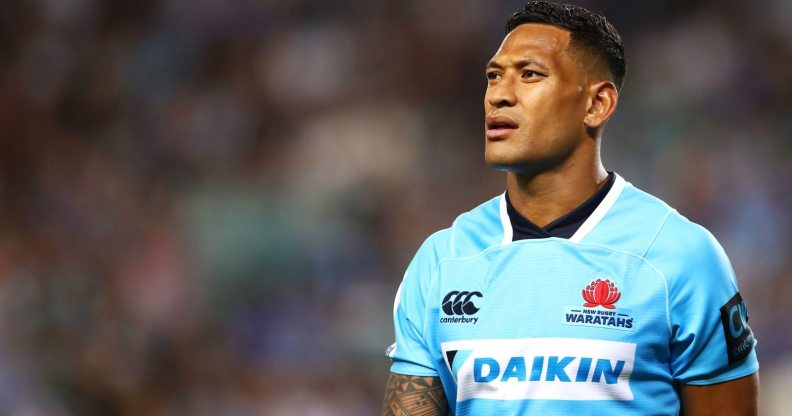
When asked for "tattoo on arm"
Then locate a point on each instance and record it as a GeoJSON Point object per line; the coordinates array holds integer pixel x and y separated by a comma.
{"type": "Point", "coordinates": [414, 395]}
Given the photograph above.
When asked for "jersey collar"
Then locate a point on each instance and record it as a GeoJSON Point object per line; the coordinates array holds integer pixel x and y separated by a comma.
{"type": "Point", "coordinates": [573, 226]}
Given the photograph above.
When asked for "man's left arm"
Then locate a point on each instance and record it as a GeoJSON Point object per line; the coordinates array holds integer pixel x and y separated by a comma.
{"type": "Point", "coordinates": [738, 397]}
{"type": "Point", "coordinates": [713, 356]}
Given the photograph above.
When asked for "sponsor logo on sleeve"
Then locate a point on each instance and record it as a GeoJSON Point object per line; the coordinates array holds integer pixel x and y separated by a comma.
{"type": "Point", "coordinates": [541, 368]}
{"type": "Point", "coordinates": [599, 309]}
{"type": "Point", "coordinates": [739, 337]}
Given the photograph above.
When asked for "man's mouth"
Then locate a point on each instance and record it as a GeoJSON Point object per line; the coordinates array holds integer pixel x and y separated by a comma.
{"type": "Point", "coordinates": [499, 126]}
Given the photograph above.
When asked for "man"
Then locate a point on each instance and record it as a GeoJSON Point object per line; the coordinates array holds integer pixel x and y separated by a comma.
{"type": "Point", "coordinates": [573, 291]}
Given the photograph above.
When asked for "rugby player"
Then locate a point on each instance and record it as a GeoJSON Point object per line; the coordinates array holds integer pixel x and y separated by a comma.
{"type": "Point", "coordinates": [573, 292]}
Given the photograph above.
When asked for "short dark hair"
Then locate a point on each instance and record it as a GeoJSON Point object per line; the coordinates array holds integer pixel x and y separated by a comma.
{"type": "Point", "coordinates": [589, 30]}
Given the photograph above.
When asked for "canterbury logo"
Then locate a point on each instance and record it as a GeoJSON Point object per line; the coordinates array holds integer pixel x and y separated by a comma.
{"type": "Point", "coordinates": [460, 303]}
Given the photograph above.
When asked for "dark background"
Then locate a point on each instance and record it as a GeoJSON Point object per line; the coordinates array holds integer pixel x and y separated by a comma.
{"type": "Point", "coordinates": [206, 206]}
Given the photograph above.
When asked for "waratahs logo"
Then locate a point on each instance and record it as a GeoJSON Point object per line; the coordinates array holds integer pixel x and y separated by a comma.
{"type": "Point", "coordinates": [598, 310]}
{"type": "Point", "coordinates": [601, 293]}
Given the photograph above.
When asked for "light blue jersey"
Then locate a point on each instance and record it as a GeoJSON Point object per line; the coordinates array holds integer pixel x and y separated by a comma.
{"type": "Point", "coordinates": [609, 320]}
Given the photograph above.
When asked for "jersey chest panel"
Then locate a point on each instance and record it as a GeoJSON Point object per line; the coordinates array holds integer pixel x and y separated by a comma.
{"type": "Point", "coordinates": [541, 322]}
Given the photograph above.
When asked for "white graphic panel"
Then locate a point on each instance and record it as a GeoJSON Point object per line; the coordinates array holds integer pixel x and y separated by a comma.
{"type": "Point", "coordinates": [542, 368]}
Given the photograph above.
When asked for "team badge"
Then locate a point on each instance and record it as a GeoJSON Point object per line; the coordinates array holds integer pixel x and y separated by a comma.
{"type": "Point", "coordinates": [599, 309]}
{"type": "Point", "coordinates": [601, 293]}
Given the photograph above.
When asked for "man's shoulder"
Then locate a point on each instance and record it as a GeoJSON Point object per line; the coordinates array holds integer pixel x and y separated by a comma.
{"type": "Point", "coordinates": [640, 221]}
{"type": "Point", "coordinates": [682, 245]}
{"type": "Point", "coordinates": [471, 232]}
{"type": "Point", "coordinates": [668, 239]}
{"type": "Point", "coordinates": [641, 206]}
{"type": "Point", "coordinates": [671, 225]}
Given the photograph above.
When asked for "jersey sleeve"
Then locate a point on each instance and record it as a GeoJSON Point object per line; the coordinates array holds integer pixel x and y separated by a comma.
{"type": "Point", "coordinates": [711, 341]}
{"type": "Point", "coordinates": [410, 353]}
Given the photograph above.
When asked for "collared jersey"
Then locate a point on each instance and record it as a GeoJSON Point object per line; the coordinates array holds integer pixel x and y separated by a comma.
{"type": "Point", "coordinates": [564, 227]}
{"type": "Point", "coordinates": [611, 319]}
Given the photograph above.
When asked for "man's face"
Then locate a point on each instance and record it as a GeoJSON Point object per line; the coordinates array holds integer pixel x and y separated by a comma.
{"type": "Point", "coordinates": [535, 101]}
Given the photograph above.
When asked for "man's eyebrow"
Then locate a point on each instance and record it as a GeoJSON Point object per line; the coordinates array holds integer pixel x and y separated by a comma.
{"type": "Point", "coordinates": [493, 64]}
{"type": "Point", "coordinates": [518, 64]}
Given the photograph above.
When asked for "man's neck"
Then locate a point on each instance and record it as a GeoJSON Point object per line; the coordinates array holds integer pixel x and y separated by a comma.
{"type": "Point", "coordinates": [545, 197]}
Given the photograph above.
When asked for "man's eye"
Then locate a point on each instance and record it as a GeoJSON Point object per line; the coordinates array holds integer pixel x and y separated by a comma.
{"type": "Point", "coordinates": [529, 74]}
{"type": "Point", "coordinates": [493, 75]}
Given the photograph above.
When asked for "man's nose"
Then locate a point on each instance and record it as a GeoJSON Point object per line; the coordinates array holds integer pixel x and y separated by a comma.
{"type": "Point", "coordinates": [502, 93]}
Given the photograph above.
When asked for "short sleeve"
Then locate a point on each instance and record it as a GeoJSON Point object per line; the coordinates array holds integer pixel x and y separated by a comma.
{"type": "Point", "coordinates": [711, 341]}
{"type": "Point", "coordinates": [410, 353]}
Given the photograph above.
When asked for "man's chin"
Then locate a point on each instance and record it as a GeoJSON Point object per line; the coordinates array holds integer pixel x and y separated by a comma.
{"type": "Point", "coordinates": [505, 158]}
{"type": "Point", "coordinates": [505, 165]}
{"type": "Point", "coordinates": [506, 161]}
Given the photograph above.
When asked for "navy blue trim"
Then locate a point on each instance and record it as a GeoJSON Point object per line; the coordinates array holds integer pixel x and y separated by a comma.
{"type": "Point", "coordinates": [564, 227]}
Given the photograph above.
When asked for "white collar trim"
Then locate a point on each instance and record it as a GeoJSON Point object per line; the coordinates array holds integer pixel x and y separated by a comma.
{"type": "Point", "coordinates": [601, 210]}
{"type": "Point", "coordinates": [585, 228]}
{"type": "Point", "coordinates": [508, 232]}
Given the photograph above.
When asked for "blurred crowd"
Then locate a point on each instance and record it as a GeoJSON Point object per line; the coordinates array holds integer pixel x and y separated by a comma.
{"type": "Point", "coordinates": [206, 206]}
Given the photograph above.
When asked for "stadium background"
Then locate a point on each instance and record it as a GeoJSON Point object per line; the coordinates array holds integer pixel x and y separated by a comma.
{"type": "Point", "coordinates": [206, 206]}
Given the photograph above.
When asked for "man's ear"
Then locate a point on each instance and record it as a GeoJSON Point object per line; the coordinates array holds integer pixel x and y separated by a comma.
{"type": "Point", "coordinates": [603, 98]}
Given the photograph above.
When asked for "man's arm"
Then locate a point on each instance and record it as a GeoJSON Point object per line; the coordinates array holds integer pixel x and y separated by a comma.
{"type": "Point", "coordinates": [733, 398]}
{"type": "Point", "coordinates": [414, 395]}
